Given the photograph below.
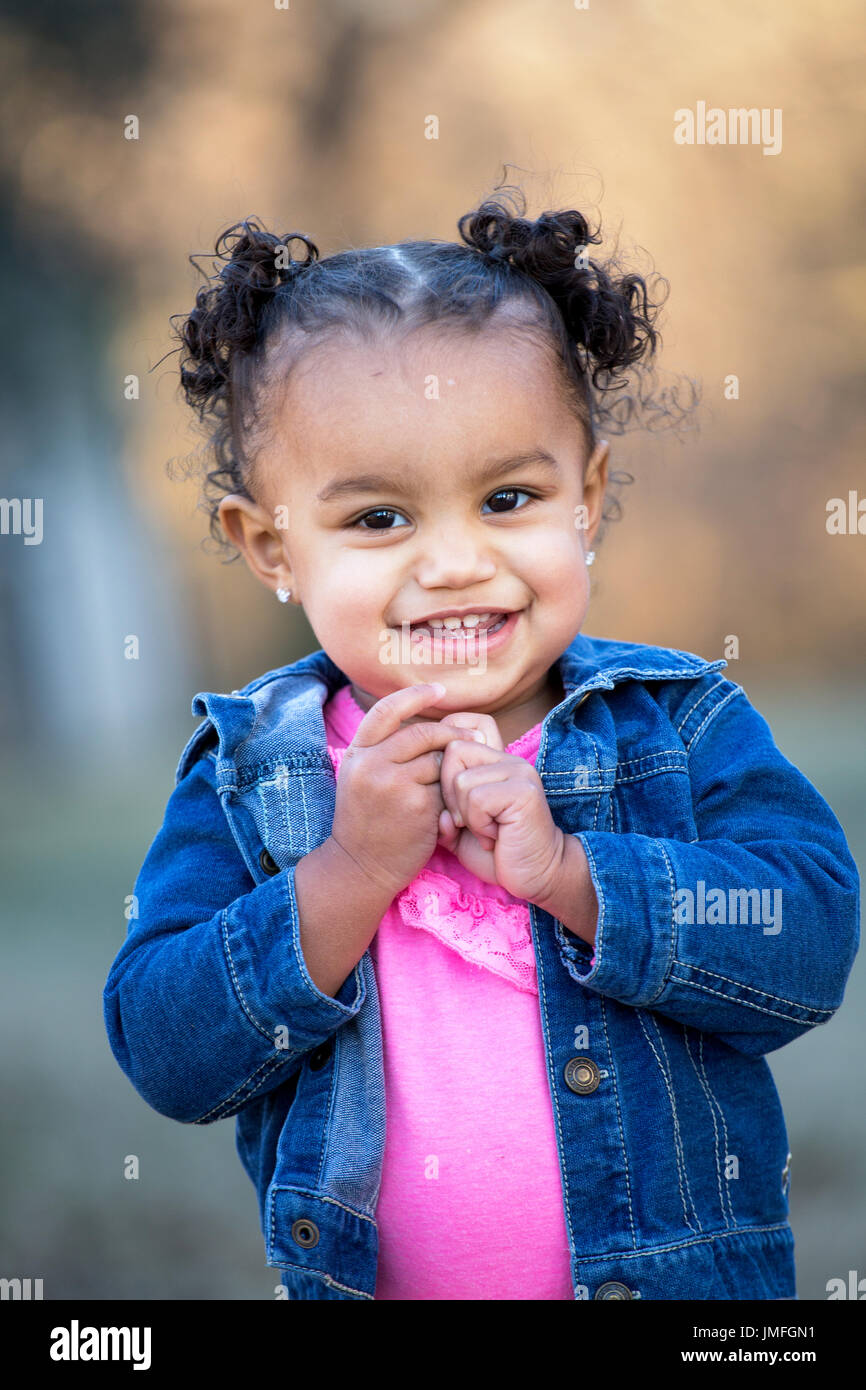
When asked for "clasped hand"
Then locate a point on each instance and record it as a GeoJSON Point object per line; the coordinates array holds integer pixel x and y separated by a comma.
{"type": "Point", "coordinates": [432, 783]}
{"type": "Point", "coordinates": [496, 819]}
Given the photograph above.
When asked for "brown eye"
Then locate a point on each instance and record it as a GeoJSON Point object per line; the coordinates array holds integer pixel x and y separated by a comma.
{"type": "Point", "coordinates": [509, 494]}
{"type": "Point", "coordinates": [380, 518]}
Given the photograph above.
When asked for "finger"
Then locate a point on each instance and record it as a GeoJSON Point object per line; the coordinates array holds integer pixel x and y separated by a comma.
{"type": "Point", "coordinates": [484, 723]}
{"type": "Point", "coordinates": [426, 768]}
{"type": "Point", "coordinates": [462, 755]}
{"type": "Point", "coordinates": [388, 713]}
{"type": "Point", "coordinates": [414, 740]}
{"type": "Point", "coordinates": [475, 810]}
{"type": "Point", "coordinates": [448, 832]}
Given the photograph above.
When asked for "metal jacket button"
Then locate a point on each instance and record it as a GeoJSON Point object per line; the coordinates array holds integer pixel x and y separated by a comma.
{"type": "Point", "coordinates": [305, 1232]}
{"type": "Point", "coordinates": [613, 1289]}
{"type": "Point", "coordinates": [582, 1075]}
{"type": "Point", "coordinates": [268, 863]}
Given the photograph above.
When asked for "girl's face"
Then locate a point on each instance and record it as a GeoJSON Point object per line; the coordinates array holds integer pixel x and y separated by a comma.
{"type": "Point", "coordinates": [404, 481]}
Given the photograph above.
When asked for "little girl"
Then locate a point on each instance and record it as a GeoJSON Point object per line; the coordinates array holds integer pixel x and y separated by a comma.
{"type": "Point", "coordinates": [480, 926]}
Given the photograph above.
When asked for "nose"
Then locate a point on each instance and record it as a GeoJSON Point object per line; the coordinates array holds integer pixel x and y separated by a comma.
{"type": "Point", "coordinates": [454, 556]}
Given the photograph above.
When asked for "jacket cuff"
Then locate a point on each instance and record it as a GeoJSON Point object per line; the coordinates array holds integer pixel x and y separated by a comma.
{"type": "Point", "coordinates": [636, 934]}
{"type": "Point", "coordinates": [269, 973]}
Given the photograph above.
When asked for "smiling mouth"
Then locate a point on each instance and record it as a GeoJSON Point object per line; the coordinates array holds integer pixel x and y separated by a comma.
{"type": "Point", "coordinates": [470, 626]}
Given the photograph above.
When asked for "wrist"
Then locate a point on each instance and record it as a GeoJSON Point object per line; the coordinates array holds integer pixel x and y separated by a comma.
{"type": "Point", "coordinates": [362, 886]}
{"type": "Point", "coordinates": [572, 899]}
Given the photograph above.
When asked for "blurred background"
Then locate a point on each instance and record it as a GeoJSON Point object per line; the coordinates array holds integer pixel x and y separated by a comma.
{"type": "Point", "coordinates": [312, 118]}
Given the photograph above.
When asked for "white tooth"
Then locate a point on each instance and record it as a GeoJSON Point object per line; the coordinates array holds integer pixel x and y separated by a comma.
{"type": "Point", "coordinates": [435, 622]}
{"type": "Point", "coordinates": [451, 622]}
{"type": "Point", "coordinates": [471, 619]}
{"type": "Point", "coordinates": [482, 617]}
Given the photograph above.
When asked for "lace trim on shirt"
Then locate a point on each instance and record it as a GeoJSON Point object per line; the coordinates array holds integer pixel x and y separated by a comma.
{"type": "Point", "coordinates": [497, 936]}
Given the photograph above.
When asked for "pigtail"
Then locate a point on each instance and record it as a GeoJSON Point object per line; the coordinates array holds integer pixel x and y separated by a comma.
{"type": "Point", "coordinates": [228, 315]}
{"type": "Point", "coordinates": [608, 319]}
{"type": "Point", "coordinates": [227, 329]}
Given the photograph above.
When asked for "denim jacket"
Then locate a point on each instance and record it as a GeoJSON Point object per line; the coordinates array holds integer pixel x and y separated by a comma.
{"type": "Point", "coordinates": [728, 923]}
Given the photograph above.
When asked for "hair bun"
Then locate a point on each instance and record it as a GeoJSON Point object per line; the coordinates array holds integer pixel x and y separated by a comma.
{"type": "Point", "coordinates": [254, 261]}
{"type": "Point", "coordinates": [227, 316]}
{"type": "Point", "coordinates": [546, 248]}
{"type": "Point", "coordinates": [607, 317]}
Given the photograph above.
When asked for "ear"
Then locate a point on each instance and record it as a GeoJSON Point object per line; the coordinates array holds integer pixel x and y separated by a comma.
{"type": "Point", "coordinates": [595, 486]}
{"type": "Point", "coordinates": [252, 529]}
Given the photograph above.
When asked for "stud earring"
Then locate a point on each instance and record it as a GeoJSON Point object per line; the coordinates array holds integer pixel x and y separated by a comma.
{"type": "Point", "coordinates": [283, 595]}
{"type": "Point", "coordinates": [590, 556]}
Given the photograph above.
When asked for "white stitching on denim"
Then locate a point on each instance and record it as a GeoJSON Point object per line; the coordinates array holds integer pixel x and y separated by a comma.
{"type": "Point", "coordinates": [696, 704]}
{"type": "Point", "coordinates": [270, 1064]}
{"type": "Point", "coordinates": [672, 950]}
{"type": "Point", "coordinates": [326, 1278]}
{"type": "Point", "coordinates": [644, 776]}
{"type": "Point", "coordinates": [705, 1239]}
{"type": "Point", "coordinates": [713, 1117]}
{"type": "Point", "coordinates": [746, 1003]}
{"type": "Point", "coordinates": [726, 1189]}
{"type": "Point", "coordinates": [263, 804]}
{"type": "Point", "coordinates": [611, 770]}
{"type": "Point", "coordinates": [765, 993]}
{"type": "Point", "coordinates": [599, 891]}
{"type": "Point", "coordinates": [670, 1074]}
{"type": "Point", "coordinates": [303, 783]}
{"type": "Point", "coordinates": [619, 1122]}
{"type": "Point", "coordinates": [677, 1146]}
{"type": "Point", "coordinates": [319, 1197]}
{"type": "Point", "coordinates": [254, 1021]}
{"type": "Point", "coordinates": [554, 1088]}
{"type": "Point", "coordinates": [717, 709]}
{"type": "Point", "coordinates": [346, 1288]}
{"type": "Point", "coordinates": [647, 757]}
{"type": "Point", "coordinates": [600, 790]}
{"type": "Point", "coordinates": [235, 1102]}
{"type": "Point", "coordinates": [329, 1110]}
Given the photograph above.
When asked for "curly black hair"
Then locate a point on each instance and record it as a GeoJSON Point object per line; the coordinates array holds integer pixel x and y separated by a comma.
{"type": "Point", "coordinates": [599, 321]}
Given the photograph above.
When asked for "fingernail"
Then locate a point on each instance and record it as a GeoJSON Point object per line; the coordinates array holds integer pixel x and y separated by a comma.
{"type": "Point", "coordinates": [438, 687]}
{"type": "Point", "coordinates": [478, 736]}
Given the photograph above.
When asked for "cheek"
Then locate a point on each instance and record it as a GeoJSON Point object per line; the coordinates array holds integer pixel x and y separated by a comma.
{"type": "Point", "coordinates": [342, 585]}
{"type": "Point", "coordinates": [554, 564]}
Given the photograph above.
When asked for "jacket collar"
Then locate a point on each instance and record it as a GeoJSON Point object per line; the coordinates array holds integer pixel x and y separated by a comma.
{"type": "Point", "coordinates": [588, 663]}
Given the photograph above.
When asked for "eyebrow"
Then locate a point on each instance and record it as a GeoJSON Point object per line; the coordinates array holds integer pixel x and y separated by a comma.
{"type": "Point", "coordinates": [492, 468]}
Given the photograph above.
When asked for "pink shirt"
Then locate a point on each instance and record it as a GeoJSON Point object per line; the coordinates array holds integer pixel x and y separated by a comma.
{"type": "Point", "coordinates": [471, 1203]}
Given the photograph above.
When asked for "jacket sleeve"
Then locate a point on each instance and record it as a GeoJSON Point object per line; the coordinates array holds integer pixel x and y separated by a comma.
{"type": "Point", "coordinates": [759, 968]}
{"type": "Point", "coordinates": [209, 1003]}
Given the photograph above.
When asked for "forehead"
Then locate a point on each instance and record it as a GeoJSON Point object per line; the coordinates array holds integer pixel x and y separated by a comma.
{"type": "Point", "coordinates": [431, 395]}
